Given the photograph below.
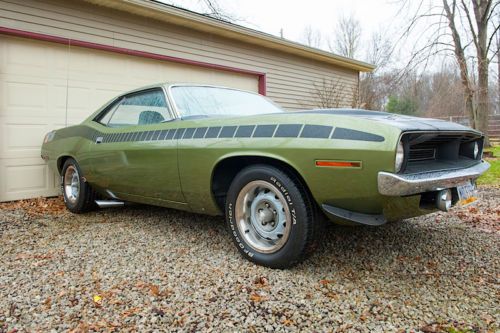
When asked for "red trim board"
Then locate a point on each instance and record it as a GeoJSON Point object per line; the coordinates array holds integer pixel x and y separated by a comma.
{"type": "Point", "coordinates": [74, 42]}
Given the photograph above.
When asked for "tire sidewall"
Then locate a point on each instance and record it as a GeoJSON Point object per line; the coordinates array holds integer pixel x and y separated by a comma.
{"type": "Point", "coordinates": [77, 206]}
{"type": "Point", "coordinates": [293, 249]}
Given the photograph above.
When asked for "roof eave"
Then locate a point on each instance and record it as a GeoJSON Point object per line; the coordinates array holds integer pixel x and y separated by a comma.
{"type": "Point", "coordinates": [204, 23]}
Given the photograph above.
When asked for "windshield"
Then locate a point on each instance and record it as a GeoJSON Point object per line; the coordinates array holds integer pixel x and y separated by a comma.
{"type": "Point", "coordinates": [208, 101]}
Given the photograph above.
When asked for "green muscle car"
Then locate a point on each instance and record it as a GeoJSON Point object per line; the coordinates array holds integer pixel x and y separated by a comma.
{"type": "Point", "coordinates": [274, 174]}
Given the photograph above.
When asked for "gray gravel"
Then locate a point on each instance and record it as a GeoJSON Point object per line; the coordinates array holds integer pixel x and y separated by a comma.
{"type": "Point", "coordinates": [143, 268]}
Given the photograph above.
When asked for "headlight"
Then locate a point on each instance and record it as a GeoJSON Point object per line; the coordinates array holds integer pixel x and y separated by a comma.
{"type": "Point", "coordinates": [476, 150]}
{"type": "Point", "coordinates": [400, 156]}
{"type": "Point", "coordinates": [49, 137]}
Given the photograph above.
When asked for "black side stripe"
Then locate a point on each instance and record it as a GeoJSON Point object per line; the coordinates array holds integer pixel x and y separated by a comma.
{"type": "Point", "coordinates": [170, 134]}
{"type": "Point", "coordinates": [227, 132]}
{"type": "Point", "coordinates": [264, 131]}
{"type": "Point", "coordinates": [316, 131]}
{"type": "Point", "coordinates": [244, 131]}
{"type": "Point", "coordinates": [188, 134]}
{"type": "Point", "coordinates": [179, 133]}
{"type": "Point", "coordinates": [288, 131]}
{"type": "Point", "coordinates": [200, 132]}
{"type": "Point", "coordinates": [213, 132]}
{"type": "Point", "coordinates": [350, 134]}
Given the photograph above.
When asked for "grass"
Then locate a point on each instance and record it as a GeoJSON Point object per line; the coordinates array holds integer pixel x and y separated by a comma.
{"type": "Point", "coordinates": [495, 150]}
{"type": "Point", "coordinates": [492, 176]}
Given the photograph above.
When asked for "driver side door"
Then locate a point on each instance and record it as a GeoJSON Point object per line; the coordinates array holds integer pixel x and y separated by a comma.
{"type": "Point", "coordinates": [130, 160]}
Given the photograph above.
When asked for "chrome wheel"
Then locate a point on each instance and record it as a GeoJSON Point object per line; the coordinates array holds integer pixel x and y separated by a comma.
{"type": "Point", "coordinates": [71, 184]}
{"type": "Point", "coordinates": [262, 216]}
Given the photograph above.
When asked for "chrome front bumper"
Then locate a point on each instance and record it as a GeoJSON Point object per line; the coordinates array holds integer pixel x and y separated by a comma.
{"type": "Point", "coordinates": [392, 184]}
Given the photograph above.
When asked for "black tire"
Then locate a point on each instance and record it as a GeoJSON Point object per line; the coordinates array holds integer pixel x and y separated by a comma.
{"type": "Point", "coordinates": [304, 223]}
{"type": "Point", "coordinates": [82, 202]}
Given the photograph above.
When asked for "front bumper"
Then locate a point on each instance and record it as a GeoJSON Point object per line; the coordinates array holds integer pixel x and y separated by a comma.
{"type": "Point", "coordinates": [392, 184]}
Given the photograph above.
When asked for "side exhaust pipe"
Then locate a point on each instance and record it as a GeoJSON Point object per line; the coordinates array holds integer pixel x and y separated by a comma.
{"type": "Point", "coordinates": [444, 200]}
{"type": "Point", "coordinates": [109, 203]}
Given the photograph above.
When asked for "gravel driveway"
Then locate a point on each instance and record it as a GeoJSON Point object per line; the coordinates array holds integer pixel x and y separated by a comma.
{"type": "Point", "coordinates": [143, 268]}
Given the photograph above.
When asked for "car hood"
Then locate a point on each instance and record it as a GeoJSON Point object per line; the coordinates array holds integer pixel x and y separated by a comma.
{"type": "Point", "coordinates": [404, 123]}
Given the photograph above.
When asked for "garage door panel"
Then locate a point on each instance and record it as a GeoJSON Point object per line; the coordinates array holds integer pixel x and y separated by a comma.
{"type": "Point", "coordinates": [28, 179]}
{"type": "Point", "coordinates": [26, 96]}
{"type": "Point", "coordinates": [37, 59]}
{"type": "Point", "coordinates": [45, 86]}
{"type": "Point", "coordinates": [16, 138]}
{"type": "Point", "coordinates": [22, 137]}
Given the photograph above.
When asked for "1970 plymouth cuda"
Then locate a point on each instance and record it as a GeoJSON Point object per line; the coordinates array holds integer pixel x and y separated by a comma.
{"type": "Point", "coordinates": [274, 174]}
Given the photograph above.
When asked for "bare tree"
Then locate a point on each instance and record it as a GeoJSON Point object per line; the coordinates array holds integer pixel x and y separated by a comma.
{"type": "Point", "coordinates": [379, 50]}
{"type": "Point", "coordinates": [329, 93]}
{"type": "Point", "coordinates": [375, 86]}
{"type": "Point", "coordinates": [461, 24]}
{"type": "Point", "coordinates": [210, 8]}
{"type": "Point", "coordinates": [347, 37]}
{"type": "Point", "coordinates": [498, 67]}
{"type": "Point", "coordinates": [215, 10]}
{"type": "Point", "coordinates": [311, 37]}
{"type": "Point", "coordinates": [443, 94]}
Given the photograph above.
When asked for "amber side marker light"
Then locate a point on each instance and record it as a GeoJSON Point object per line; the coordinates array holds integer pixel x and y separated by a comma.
{"type": "Point", "coordinates": [338, 164]}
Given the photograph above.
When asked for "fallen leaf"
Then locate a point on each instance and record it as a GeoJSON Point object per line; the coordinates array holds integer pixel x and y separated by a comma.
{"type": "Point", "coordinates": [48, 302]}
{"type": "Point", "coordinates": [254, 297]}
{"type": "Point", "coordinates": [97, 300]}
{"type": "Point", "coordinates": [130, 312]}
{"type": "Point", "coordinates": [261, 281]}
{"type": "Point", "coordinates": [154, 289]}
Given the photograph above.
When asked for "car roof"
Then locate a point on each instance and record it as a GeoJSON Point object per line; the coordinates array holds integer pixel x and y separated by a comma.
{"type": "Point", "coordinates": [168, 85]}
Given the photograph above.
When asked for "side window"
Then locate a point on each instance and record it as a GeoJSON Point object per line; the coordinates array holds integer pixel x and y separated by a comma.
{"type": "Point", "coordinates": [143, 108]}
{"type": "Point", "coordinates": [104, 117]}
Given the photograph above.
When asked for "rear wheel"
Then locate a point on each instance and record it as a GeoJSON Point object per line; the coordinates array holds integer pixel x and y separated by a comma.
{"type": "Point", "coordinates": [79, 197]}
{"type": "Point", "coordinates": [270, 216]}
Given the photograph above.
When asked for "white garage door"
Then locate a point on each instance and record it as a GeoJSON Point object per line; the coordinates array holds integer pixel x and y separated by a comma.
{"type": "Point", "coordinates": [44, 86]}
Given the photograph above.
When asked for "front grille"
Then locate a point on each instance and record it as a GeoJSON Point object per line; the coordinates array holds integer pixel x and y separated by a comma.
{"type": "Point", "coordinates": [438, 151]}
{"type": "Point", "coordinates": [421, 154]}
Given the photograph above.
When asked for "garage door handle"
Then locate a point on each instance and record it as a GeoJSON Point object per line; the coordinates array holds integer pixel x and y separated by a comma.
{"type": "Point", "coordinates": [98, 139]}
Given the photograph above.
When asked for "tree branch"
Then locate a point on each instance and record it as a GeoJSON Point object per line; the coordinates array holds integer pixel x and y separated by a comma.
{"type": "Point", "coordinates": [495, 30]}
{"type": "Point", "coordinates": [471, 26]}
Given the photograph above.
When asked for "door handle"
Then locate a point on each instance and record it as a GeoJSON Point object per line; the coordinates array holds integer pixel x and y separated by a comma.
{"type": "Point", "coordinates": [98, 139]}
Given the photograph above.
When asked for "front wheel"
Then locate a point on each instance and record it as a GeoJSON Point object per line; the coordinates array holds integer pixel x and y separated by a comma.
{"type": "Point", "coordinates": [78, 195]}
{"type": "Point", "coordinates": [270, 217]}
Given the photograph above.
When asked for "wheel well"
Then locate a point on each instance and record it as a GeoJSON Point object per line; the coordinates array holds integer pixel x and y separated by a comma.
{"type": "Point", "coordinates": [60, 162]}
{"type": "Point", "coordinates": [227, 169]}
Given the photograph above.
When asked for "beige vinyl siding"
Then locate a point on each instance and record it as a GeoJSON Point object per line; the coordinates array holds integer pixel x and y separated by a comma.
{"type": "Point", "coordinates": [45, 86]}
{"type": "Point", "coordinates": [289, 78]}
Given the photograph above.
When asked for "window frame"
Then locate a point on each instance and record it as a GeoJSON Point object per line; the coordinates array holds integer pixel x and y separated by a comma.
{"type": "Point", "coordinates": [113, 106]}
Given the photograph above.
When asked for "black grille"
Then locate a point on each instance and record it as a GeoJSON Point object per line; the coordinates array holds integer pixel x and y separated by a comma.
{"type": "Point", "coordinates": [422, 154]}
{"type": "Point", "coordinates": [428, 151]}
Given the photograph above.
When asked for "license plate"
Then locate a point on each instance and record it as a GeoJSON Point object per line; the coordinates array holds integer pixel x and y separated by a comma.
{"type": "Point", "coordinates": [466, 193]}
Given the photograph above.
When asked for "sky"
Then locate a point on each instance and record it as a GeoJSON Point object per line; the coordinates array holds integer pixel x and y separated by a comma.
{"type": "Point", "coordinates": [387, 16]}
{"type": "Point", "coordinates": [272, 15]}
{"type": "Point", "coordinates": [292, 16]}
